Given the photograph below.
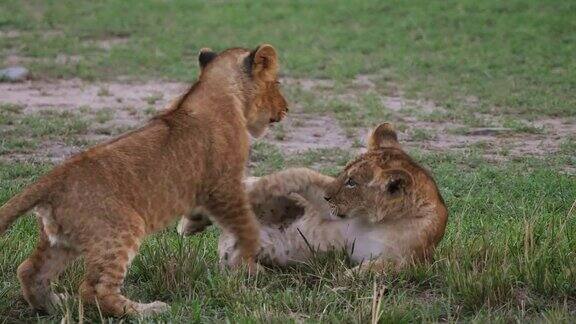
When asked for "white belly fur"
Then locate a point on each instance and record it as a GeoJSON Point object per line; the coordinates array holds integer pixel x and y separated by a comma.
{"type": "Point", "coordinates": [364, 241]}
{"type": "Point", "coordinates": [361, 240]}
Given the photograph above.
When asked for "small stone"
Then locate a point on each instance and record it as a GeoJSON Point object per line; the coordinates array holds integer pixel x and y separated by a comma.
{"type": "Point", "coordinates": [14, 74]}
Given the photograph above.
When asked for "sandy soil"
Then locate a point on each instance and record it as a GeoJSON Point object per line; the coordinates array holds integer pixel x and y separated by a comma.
{"type": "Point", "coordinates": [131, 104]}
{"type": "Point", "coordinates": [300, 132]}
{"type": "Point", "coordinates": [498, 143]}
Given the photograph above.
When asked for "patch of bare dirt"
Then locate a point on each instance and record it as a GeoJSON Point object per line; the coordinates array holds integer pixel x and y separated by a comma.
{"type": "Point", "coordinates": [130, 104]}
{"type": "Point", "coordinates": [10, 33]}
{"type": "Point", "coordinates": [12, 59]}
{"type": "Point", "coordinates": [309, 84]}
{"type": "Point", "coordinates": [74, 94]}
{"type": "Point", "coordinates": [110, 108]}
{"type": "Point", "coordinates": [48, 34]}
{"type": "Point", "coordinates": [495, 141]}
{"type": "Point", "coordinates": [109, 42]}
{"type": "Point", "coordinates": [48, 151]}
{"type": "Point", "coordinates": [301, 132]}
{"type": "Point", "coordinates": [60, 59]}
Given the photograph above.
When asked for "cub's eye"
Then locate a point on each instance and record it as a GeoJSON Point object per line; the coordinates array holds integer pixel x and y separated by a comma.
{"type": "Point", "coordinates": [350, 183]}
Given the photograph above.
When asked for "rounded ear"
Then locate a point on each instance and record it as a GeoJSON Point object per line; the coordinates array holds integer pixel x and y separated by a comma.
{"type": "Point", "coordinates": [384, 136]}
{"type": "Point", "coordinates": [205, 56]}
{"type": "Point", "coordinates": [397, 181]}
{"type": "Point", "coordinates": [265, 63]}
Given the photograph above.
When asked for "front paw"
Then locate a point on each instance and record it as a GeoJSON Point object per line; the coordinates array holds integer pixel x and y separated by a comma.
{"type": "Point", "coordinates": [234, 264]}
{"type": "Point", "coordinates": [230, 259]}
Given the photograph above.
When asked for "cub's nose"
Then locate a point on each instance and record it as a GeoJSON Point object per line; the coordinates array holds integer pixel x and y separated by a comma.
{"type": "Point", "coordinates": [327, 199]}
{"type": "Point", "coordinates": [280, 116]}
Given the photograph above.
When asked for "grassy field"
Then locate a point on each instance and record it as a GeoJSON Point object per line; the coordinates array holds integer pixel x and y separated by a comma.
{"type": "Point", "coordinates": [460, 68]}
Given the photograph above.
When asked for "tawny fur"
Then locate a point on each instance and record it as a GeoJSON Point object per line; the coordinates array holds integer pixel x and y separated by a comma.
{"type": "Point", "coordinates": [100, 204]}
{"type": "Point", "coordinates": [390, 215]}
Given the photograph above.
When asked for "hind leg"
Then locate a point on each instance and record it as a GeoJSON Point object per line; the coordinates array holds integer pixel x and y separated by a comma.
{"type": "Point", "coordinates": [107, 262]}
{"type": "Point", "coordinates": [37, 272]}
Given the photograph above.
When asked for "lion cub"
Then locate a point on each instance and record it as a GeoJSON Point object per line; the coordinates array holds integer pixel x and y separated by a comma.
{"type": "Point", "coordinates": [100, 204]}
{"type": "Point", "coordinates": [383, 209]}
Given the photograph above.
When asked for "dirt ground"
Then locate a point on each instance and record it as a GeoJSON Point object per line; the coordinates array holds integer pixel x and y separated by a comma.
{"type": "Point", "coordinates": [544, 137]}
{"type": "Point", "coordinates": [128, 104]}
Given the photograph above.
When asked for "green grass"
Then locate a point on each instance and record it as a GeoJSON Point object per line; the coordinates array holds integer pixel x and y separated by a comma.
{"type": "Point", "coordinates": [419, 134]}
{"type": "Point", "coordinates": [23, 132]}
{"type": "Point", "coordinates": [52, 124]}
{"type": "Point", "coordinates": [150, 111]}
{"type": "Point", "coordinates": [104, 115]}
{"type": "Point", "coordinates": [327, 161]}
{"type": "Point", "coordinates": [520, 126]}
{"type": "Point", "coordinates": [266, 158]}
{"type": "Point", "coordinates": [16, 145]}
{"type": "Point", "coordinates": [8, 113]}
{"type": "Point", "coordinates": [508, 255]}
{"type": "Point", "coordinates": [514, 56]}
{"type": "Point", "coordinates": [152, 99]}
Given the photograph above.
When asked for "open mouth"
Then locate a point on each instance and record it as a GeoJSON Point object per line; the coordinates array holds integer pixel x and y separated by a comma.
{"type": "Point", "coordinates": [279, 117]}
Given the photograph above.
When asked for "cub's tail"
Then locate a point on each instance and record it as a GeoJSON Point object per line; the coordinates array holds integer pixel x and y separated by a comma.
{"type": "Point", "coordinates": [21, 203]}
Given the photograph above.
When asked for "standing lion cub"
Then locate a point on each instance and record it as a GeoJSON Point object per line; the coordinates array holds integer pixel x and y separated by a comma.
{"type": "Point", "coordinates": [101, 203]}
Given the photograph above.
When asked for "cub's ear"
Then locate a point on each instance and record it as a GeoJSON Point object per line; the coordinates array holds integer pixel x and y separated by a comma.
{"type": "Point", "coordinates": [384, 136]}
{"type": "Point", "coordinates": [396, 181]}
{"type": "Point", "coordinates": [264, 63]}
{"type": "Point", "coordinates": [205, 56]}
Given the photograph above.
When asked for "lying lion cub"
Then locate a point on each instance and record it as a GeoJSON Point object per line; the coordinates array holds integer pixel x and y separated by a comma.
{"type": "Point", "coordinates": [100, 204]}
{"type": "Point", "coordinates": [384, 210]}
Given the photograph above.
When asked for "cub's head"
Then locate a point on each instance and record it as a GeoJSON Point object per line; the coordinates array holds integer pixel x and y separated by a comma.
{"type": "Point", "coordinates": [384, 183]}
{"type": "Point", "coordinates": [253, 74]}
